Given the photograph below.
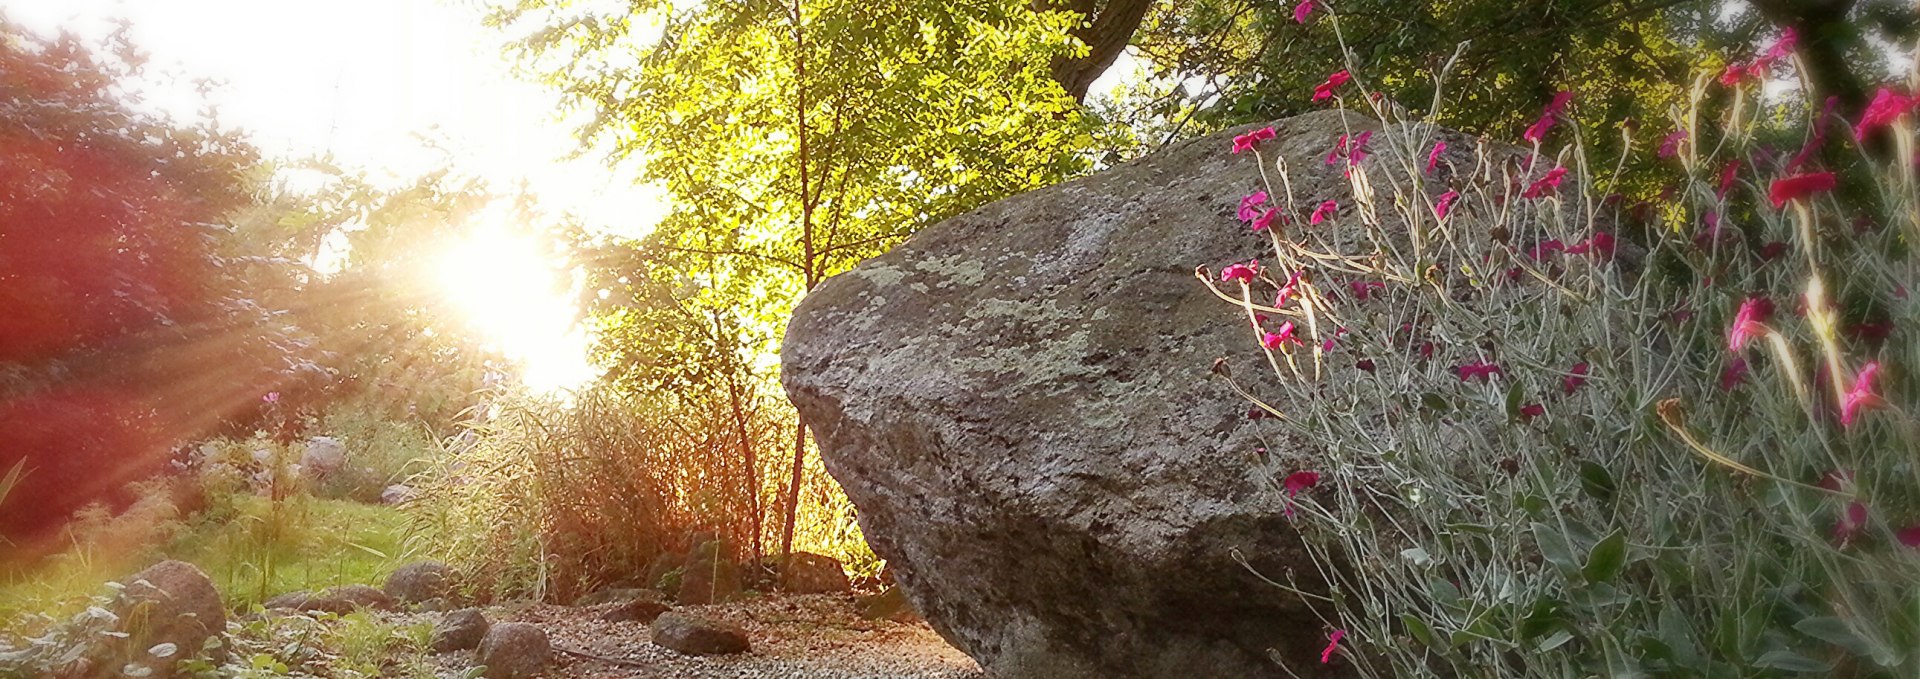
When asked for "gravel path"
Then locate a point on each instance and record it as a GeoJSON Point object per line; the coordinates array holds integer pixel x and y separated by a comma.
{"type": "Point", "coordinates": [800, 636]}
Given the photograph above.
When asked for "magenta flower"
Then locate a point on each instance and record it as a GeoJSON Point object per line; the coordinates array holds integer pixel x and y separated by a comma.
{"type": "Point", "coordinates": [1433, 157]}
{"type": "Point", "coordinates": [1287, 291]}
{"type": "Point", "coordinates": [1246, 142]}
{"type": "Point", "coordinates": [1851, 521]}
{"type": "Point", "coordinates": [1364, 364]}
{"type": "Point", "coordinates": [1325, 90]}
{"type": "Point", "coordinates": [1445, 204]}
{"type": "Point", "coordinates": [1773, 250]}
{"type": "Point", "coordinates": [1532, 410]}
{"type": "Point", "coordinates": [1799, 186]}
{"type": "Point", "coordinates": [1266, 219]}
{"type": "Point", "coordinates": [1600, 245]}
{"type": "Point", "coordinates": [1671, 145]}
{"type": "Point", "coordinates": [1727, 176]}
{"type": "Point", "coordinates": [1909, 536]}
{"type": "Point", "coordinates": [1363, 289]}
{"type": "Point", "coordinates": [1244, 273]}
{"type": "Point", "coordinates": [1538, 130]}
{"type": "Point", "coordinates": [1337, 334]}
{"type": "Point", "coordinates": [1574, 381]}
{"type": "Point", "coordinates": [1250, 205]}
{"type": "Point", "coordinates": [1275, 340]}
{"type": "Point", "coordinates": [1547, 183]}
{"type": "Point", "coordinates": [1333, 644]}
{"type": "Point", "coordinates": [1478, 369]}
{"type": "Point", "coordinates": [1886, 108]}
{"type": "Point", "coordinates": [1547, 247]}
{"type": "Point", "coordinates": [1296, 482]}
{"type": "Point", "coordinates": [1324, 212]}
{"type": "Point", "coordinates": [1861, 395]}
{"type": "Point", "coordinates": [1818, 139]}
{"type": "Point", "coordinates": [1734, 375]}
{"type": "Point", "coordinates": [1749, 322]}
{"type": "Point", "coordinates": [1302, 11]}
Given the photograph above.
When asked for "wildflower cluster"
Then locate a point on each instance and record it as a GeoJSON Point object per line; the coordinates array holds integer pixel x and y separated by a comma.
{"type": "Point", "coordinates": [1542, 438]}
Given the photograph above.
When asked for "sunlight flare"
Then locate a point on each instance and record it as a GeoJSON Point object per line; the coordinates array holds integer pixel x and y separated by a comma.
{"type": "Point", "coordinates": [517, 300]}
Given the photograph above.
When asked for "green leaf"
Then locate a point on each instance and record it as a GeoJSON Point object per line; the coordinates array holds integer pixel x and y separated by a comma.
{"type": "Point", "coordinates": [1597, 481]}
{"type": "Point", "coordinates": [1514, 395]}
{"type": "Point", "coordinates": [1834, 631]}
{"type": "Point", "coordinates": [1676, 634]}
{"type": "Point", "coordinates": [1555, 547]}
{"type": "Point", "coordinates": [1782, 659]}
{"type": "Point", "coordinates": [1607, 558]}
{"type": "Point", "coordinates": [1557, 640]}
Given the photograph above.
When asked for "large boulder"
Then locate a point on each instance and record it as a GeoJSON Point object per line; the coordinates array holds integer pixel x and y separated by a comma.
{"type": "Point", "coordinates": [808, 573]}
{"type": "Point", "coordinates": [1019, 402]}
{"type": "Point", "coordinates": [167, 613]}
{"type": "Point", "coordinates": [324, 455]}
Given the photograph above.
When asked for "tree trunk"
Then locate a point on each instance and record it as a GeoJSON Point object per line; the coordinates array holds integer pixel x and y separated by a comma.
{"type": "Point", "coordinates": [1106, 31]}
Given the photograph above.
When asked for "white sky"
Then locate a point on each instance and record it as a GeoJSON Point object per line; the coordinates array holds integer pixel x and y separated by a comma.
{"type": "Point", "coordinates": [360, 79]}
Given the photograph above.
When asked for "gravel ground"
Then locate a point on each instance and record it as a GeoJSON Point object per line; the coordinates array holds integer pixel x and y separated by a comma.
{"type": "Point", "coordinates": [800, 636]}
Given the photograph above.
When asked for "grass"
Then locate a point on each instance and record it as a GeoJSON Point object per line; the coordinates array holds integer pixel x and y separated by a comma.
{"type": "Point", "coordinates": [252, 554]}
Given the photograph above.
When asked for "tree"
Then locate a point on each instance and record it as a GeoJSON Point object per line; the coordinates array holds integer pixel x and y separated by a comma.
{"type": "Point", "coordinates": [798, 139]}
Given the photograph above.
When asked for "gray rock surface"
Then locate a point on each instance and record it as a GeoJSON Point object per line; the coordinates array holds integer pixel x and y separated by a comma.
{"type": "Point", "coordinates": [168, 613]}
{"type": "Point", "coordinates": [419, 581]}
{"type": "Point", "coordinates": [459, 630]}
{"type": "Point", "coordinates": [639, 609]}
{"type": "Point", "coordinates": [514, 650]}
{"type": "Point", "coordinates": [808, 573]}
{"type": "Point", "coordinates": [1019, 402]}
{"type": "Point", "coordinates": [694, 635]}
{"type": "Point", "coordinates": [324, 455]}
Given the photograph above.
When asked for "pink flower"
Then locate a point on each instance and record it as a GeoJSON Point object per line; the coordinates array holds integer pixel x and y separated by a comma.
{"type": "Point", "coordinates": [1445, 204]}
{"type": "Point", "coordinates": [1819, 136]}
{"type": "Point", "coordinates": [1546, 183]}
{"type": "Point", "coordinates": [1302, 10]}
{"type": "Point", "coordinates": [1363, 289]}
{"type": "Point", "coordinates": [1772, 251]}
{"type": "Point", "coordinates": [1574, 381]}
{"type": "Point", "coordinates": [1799, 186]}
{"type": "Point", "coordinates": [1861, 395]}
{"type": "Point", "coordinates": [1546, 248]}
{"type": "Point", "coordinates": [1749, 323]}
{"type": "Point", "coordinates": [1296, 482]}
{"type": "Point", "coordinates": [1433, 157]}
{"type": "Point", "coordinates": [1886, 108]}
{"type": "Point", "coordinates": [1733, 73]}
{"type": "Point", "coordinates": [1735, 374]}
{"type": "Point", "coordinates": [1538, 130]}
{"type": "Point", "coordinates": [1266, 219]}
{"type": "Point", "coordinates": [1244, 273]}
{"type": "Point", "coordinates": [1480, 369]}
{"type": "Point", "coordinates": [1333, 644]}
{"type": "Point", "coordinates": [1726, 179]}
{"type": "Point", "coordinates": [1275, 340]}
{"type": "Point", "coordinates": [1250, 205]}
{"type": "Point", "coordinates": [1324, 212]}
{"type": "Point", "coordinates": [1337, 334]}
{"type": "Point", "coordinates": [271, 397]}
{"type": "Point", "coordinates": [1851, 521]}
{"type": "Point", "coordinates": [1364, 364]}
{"type": "Point", "coordinates": [1246, 142]}
{"type": "Point", "coordinates": [1325, 90]}
{"type": "Point", "coordinates": [1287, 291]}
{"type": "Point", "coordinates": [1909, 536]}
{"type": "Point", "coordinates": [1599, 245]}
{"type": "Point", "coordinates": [1532, 410]}
{"type": "Point", "coordinates": [1782, 48]}
{"type": "Point", "coordinates": [1671, 145]}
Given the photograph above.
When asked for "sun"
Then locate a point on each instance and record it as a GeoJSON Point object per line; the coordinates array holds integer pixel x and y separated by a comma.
{"type": "Point", "coordinates": [516, 298]}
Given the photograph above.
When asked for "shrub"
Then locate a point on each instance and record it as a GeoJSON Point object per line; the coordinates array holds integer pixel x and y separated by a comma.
{"type": "Point", "coordinates": [1542, 456]}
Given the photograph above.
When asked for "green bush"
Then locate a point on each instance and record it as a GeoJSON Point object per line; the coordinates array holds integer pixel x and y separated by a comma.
{"type": "Point", "coordinates": [1542, 459]}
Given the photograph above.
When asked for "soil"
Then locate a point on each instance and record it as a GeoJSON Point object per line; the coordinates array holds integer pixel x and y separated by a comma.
{"type": "Point", "coordinates": [793, 635]}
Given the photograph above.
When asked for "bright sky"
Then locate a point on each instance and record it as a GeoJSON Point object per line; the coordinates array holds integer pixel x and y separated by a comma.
{"type": "Point", "coordinates": [365, 80]}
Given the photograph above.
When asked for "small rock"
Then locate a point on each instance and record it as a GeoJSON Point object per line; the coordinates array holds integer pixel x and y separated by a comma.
{"type": "Point", "coordinates": [398, 493]}
{"type": "Point", "coordinates": [168, 612]}
{"type": "Point", "coordinates": [698, 636]}
{"type": "Point", "coordinates": [324, 455]}
{"type": "Point", "coordinates": [291, 601]}
{"type": "Point", "coordinates": [358, 596]}
{"type": "Point", "coordinates": [641, 610]}
{"type": "Point", "coordinates": [512, 650]}
{"type": "Point", "coordinates": [808, 573]}
{"type": "Point", "coordinates": [459, 630]}
{"type": "Point", "coordinates": [420, 581]}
